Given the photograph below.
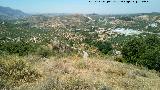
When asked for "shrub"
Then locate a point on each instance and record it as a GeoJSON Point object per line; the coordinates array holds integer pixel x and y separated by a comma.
{"type": "Point", "coordinates": [143, 51]}
{"type": "Point", "coordinates": [118, 59]}
{"type": "Point", "coordinates": [45, 52]}
{"type": "Point", "coordinates": [103, 46]}
{"type": "Point", "coordinates": [132, 50]}
{"type": "Point", "coordinates": [72, 83]}
{"type": "Point", "coordinates": [15, 71]}
{"type": "Point", "coordinates": [21, 48]}
{"type": "Point", "coordinates": [81, 64]}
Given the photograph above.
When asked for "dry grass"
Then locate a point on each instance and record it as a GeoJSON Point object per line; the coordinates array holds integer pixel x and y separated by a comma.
{"type": "Point", "coordinates": [72, 73]}
{"type": "Point", "coordinates": [14, 71]}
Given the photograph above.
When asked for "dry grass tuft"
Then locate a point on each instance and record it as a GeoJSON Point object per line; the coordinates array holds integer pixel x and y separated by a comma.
{"type": "Point", "coordinates": [93, 74]}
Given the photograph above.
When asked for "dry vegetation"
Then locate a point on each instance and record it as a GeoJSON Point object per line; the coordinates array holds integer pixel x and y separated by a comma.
{"type": "Point", "coordinates": [45, 53]}
{"type": "Point", "coordinates": [73, 73]}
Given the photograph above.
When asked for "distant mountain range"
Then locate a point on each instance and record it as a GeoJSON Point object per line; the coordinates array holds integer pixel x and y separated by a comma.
{"type": "Point", "coordinates": [9, 13]}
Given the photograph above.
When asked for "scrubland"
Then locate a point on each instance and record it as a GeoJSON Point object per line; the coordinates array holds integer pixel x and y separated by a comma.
{"type": "Point", "coordinates": [75, 73]}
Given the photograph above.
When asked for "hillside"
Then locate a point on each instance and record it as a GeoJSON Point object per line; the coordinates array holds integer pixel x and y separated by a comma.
{"type": "Point", "coordinates": [75, 73]}
{"type": "Point", "coordinates": [10, 13]}
{"type": "Point", "coordinates": [79, 52]}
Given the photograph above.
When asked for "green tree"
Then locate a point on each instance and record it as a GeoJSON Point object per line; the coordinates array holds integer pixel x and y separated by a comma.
{"type": "Point", "coordinates": [104, 47]}
{"type": "Point", "coordinates": [143, 51]}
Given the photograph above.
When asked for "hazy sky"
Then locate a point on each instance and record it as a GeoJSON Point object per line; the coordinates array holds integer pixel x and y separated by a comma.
{"type": "Point", "coordinates": [81, 6]}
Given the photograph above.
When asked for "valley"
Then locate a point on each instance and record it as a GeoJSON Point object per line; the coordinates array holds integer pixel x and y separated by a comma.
{"type": "Point", "coordinates": [79, 51]}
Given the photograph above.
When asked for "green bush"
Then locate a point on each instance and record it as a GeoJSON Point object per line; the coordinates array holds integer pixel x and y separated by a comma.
{"type": "Point", "coordinates": [143, 51]}
{"type": "Point", "coordinates": [104, 47]}
{"type": "Point", "coordinates": [21, 48]}
{"type": "Point", "coordinates": [15, 71]}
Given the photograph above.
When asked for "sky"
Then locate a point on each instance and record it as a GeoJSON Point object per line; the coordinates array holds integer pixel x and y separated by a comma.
{"type": "Point", "coordinates": [81, 6]}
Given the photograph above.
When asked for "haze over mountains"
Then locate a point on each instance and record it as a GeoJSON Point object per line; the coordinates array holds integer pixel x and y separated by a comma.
{"type": "Point", "coordinates": [10, 13]}
{"type": "Point", "coordinates": [7, 12]}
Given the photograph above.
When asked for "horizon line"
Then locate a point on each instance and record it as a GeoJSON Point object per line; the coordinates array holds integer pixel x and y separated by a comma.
{"type": "Point", "coordinates": [39, 13]}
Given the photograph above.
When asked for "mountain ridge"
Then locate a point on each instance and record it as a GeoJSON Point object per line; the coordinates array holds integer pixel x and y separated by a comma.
{"type": "Point", "coordinates": [10, 13]}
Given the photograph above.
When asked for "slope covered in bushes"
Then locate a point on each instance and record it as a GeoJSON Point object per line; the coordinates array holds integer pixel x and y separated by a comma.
{"type": "Point", "coordinates": [143, 51]}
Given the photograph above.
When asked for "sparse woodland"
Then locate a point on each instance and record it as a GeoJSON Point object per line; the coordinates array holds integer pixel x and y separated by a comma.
{"type": "Point", "coordinates": [46, 53]}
